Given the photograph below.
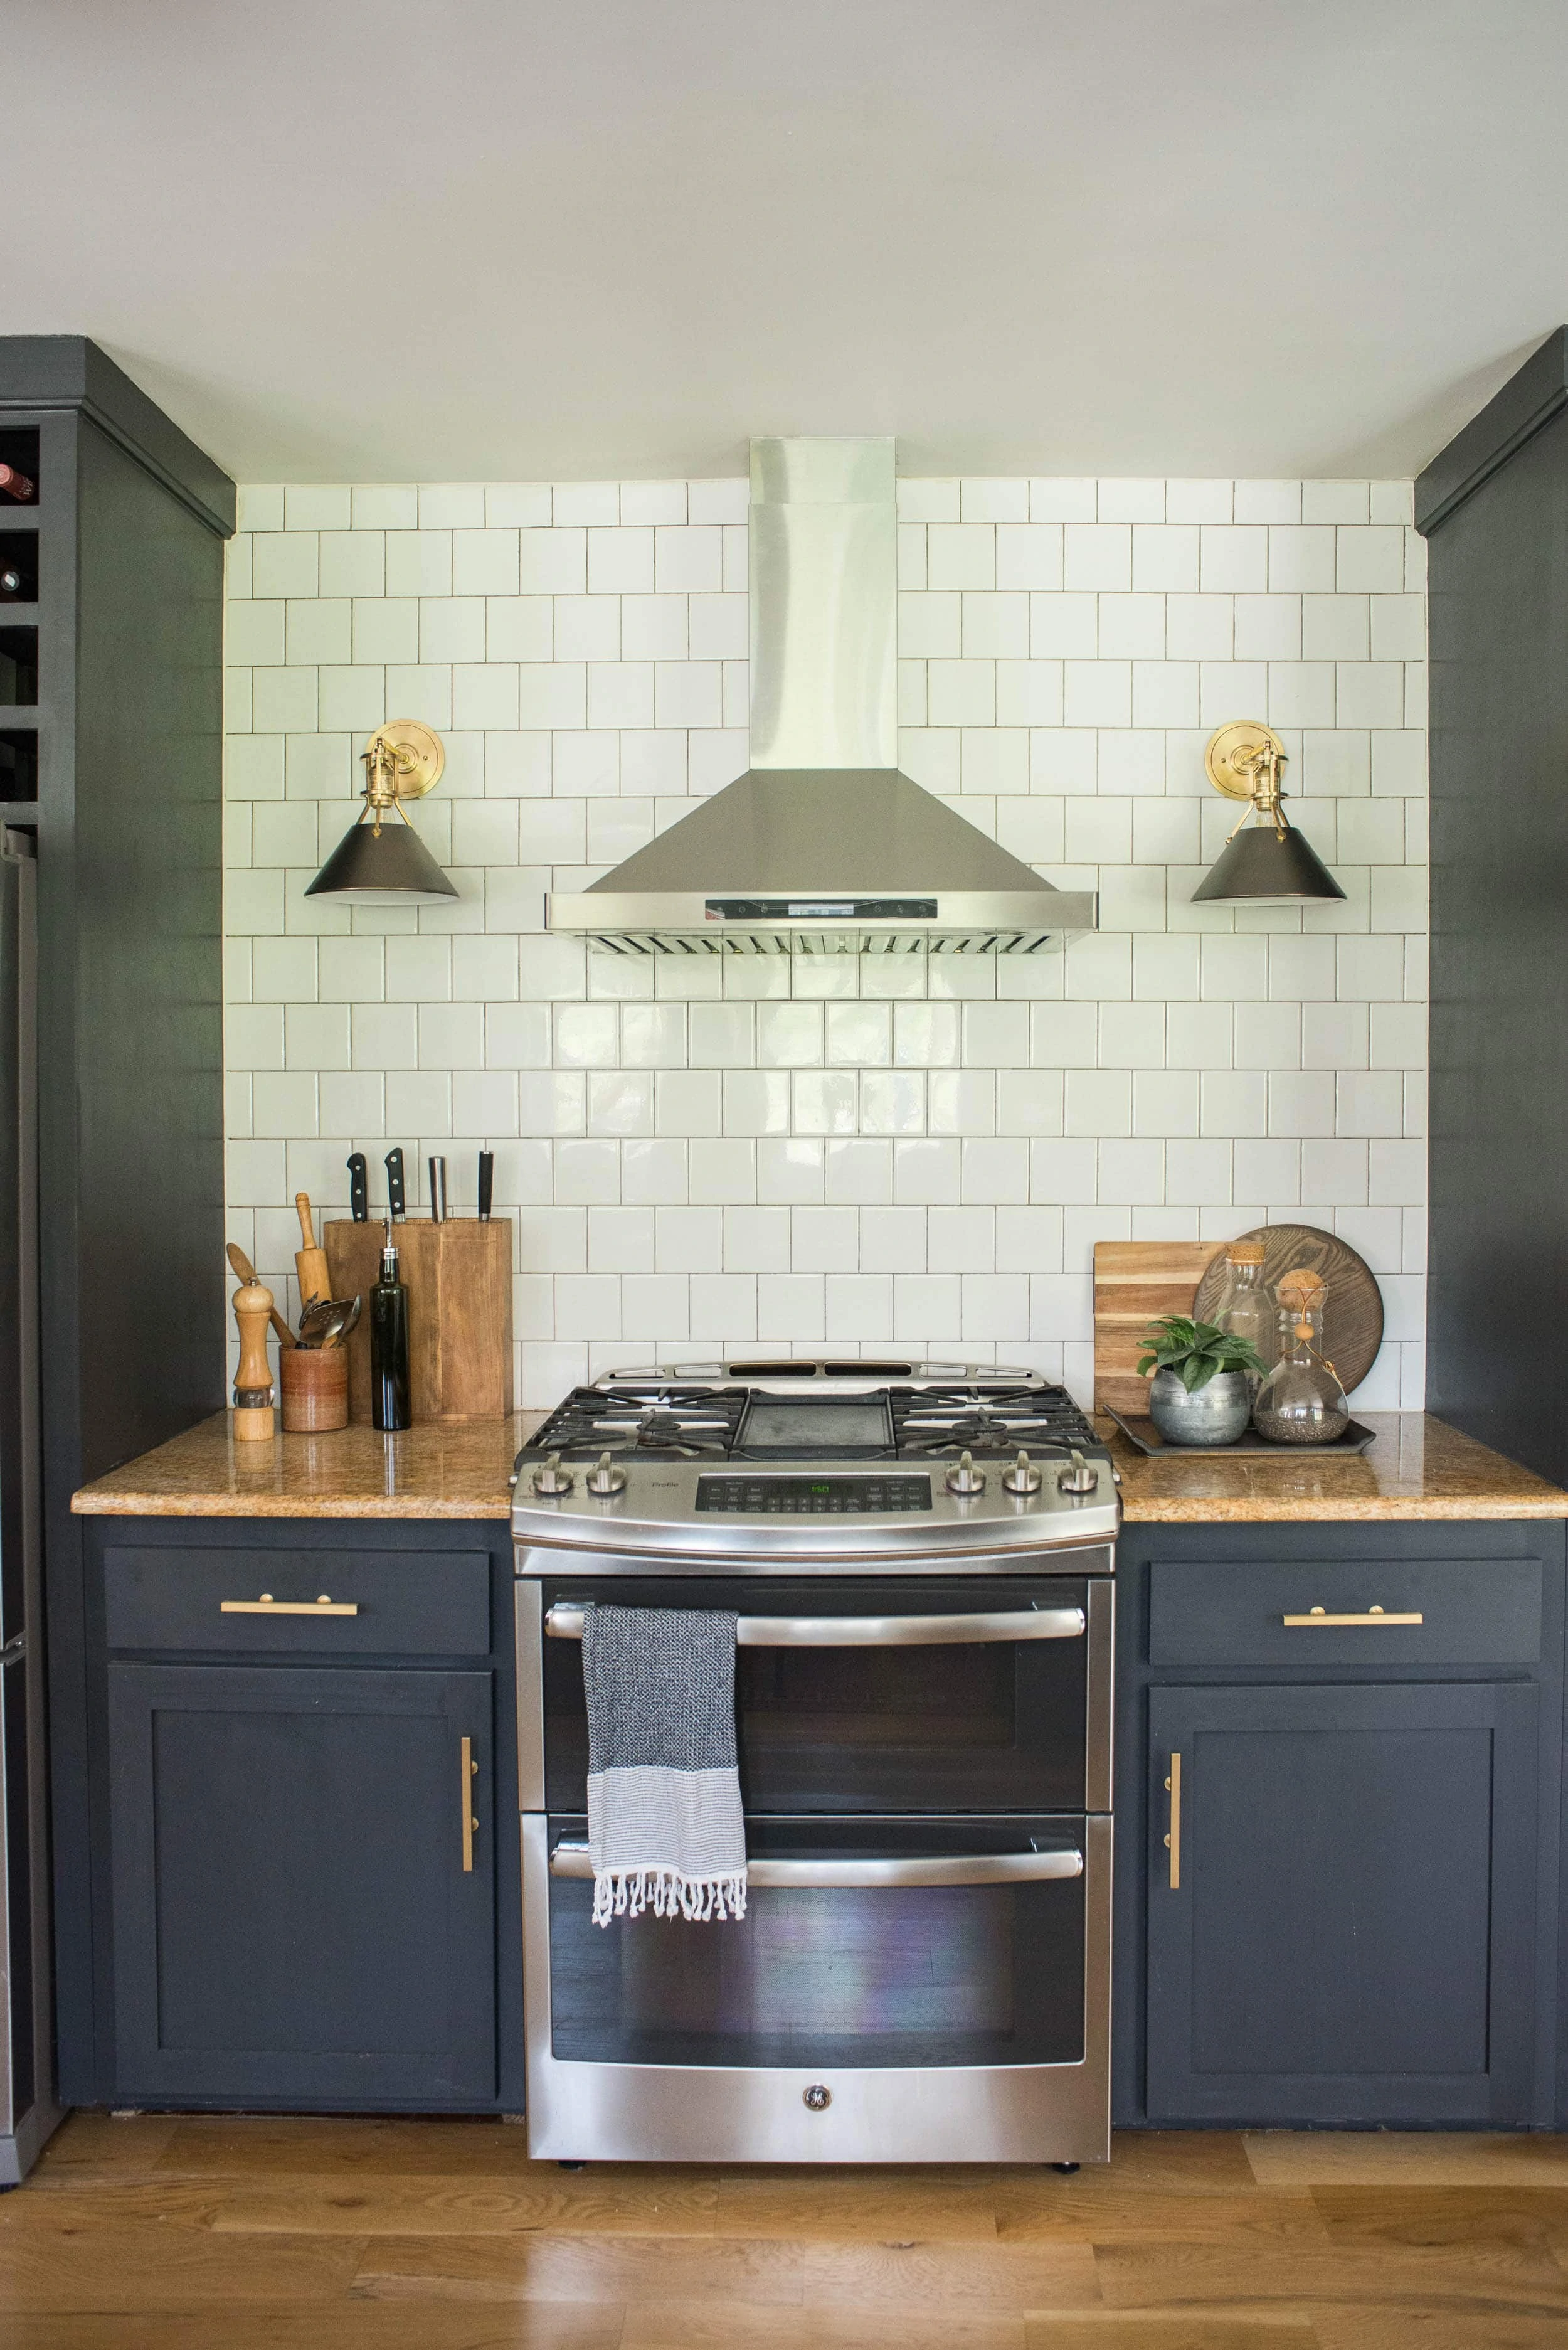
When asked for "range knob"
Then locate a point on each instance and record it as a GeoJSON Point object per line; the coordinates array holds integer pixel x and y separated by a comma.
{"type": "Point", "coordinates": [1022, 1477]}
{"type": "Point", "coordinates": [963, 1477]}
{"type": "Point", "coordinates": [605, 1479]}
{"type": "Point", "coordinates": [550, 1480]}
{"type": "Point", "coordinates": [1080, 1476]}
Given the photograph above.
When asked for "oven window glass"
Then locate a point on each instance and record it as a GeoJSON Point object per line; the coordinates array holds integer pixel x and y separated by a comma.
{"type": "Point", "coordinates": [793, 1424]}
{"type": "Point", "coordinates": [975, 1726]}
{"type": "Point", "coordinates": [828, 1976]}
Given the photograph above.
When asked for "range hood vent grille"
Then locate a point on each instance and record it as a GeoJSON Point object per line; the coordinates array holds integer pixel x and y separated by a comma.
{"type": "Point", "coordinates": [823, 847]}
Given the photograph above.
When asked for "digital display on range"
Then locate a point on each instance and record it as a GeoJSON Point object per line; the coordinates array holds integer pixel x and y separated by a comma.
{"type": "Point", "coordinates": [812, 1497]}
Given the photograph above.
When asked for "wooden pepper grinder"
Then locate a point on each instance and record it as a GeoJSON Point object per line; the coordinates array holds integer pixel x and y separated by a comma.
{"type": "Point", "coordinates": [253, 1416]}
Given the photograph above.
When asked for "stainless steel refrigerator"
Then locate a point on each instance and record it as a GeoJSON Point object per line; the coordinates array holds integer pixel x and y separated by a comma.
{"type": "Point", "coordinates": [28, 2108]}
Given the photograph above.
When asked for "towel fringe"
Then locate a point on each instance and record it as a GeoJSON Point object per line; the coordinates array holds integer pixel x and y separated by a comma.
{"type": "Point", "coordinates": [669, 1893]}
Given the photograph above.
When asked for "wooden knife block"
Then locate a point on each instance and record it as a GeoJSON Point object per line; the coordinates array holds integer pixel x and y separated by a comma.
{"type": "Point", "coordinates": [458, 1278]}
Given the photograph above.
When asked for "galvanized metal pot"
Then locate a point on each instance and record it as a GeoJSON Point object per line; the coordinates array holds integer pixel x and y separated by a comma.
{"type": "Point", "coordinates": [1217, 1413]}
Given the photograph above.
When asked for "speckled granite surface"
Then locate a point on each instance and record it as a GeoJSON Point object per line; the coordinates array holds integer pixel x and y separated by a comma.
{"type": "Point", "coordinates": [1418, 1469]}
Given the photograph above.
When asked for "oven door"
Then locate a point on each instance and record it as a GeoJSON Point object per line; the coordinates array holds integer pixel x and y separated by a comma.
{"type": "Point", "coordinates": [977, 1694]}
{"type": "Point", "coordinates": [897, 1992]}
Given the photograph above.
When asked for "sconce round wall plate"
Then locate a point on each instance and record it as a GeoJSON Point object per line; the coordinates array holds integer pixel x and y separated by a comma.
{"type": "Point", "coordinates": [1240, 740]}
{"type": "Point", "coordinates": [419, 744]}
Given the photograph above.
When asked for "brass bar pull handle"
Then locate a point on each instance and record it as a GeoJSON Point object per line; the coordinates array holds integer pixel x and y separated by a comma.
{"type": "Point", "coordinates": [1316, 1617]}
{"type": "Point", "coordinates": [470, 1821]}
{"type": "Point", "coordinates": [267, 1606]}
{"type": "Point", "coordinates": [1173, 1841]}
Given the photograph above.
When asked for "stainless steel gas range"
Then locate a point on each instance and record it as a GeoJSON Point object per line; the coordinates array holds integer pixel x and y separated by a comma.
{"type": "Point", "coordinates": [922, 1560]}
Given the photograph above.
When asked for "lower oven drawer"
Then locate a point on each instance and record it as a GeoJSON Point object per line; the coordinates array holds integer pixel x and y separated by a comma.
{"type": "Point", "coordinates": [883, 1943]}
{"type": "Point", "coordinates": [852, 1700]}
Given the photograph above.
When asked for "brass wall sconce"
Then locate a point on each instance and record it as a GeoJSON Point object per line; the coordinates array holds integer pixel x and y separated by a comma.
{"type": "Point", "coordinates": [374, 860]}
{"type": "Point", "coordinates": [1243, 761]}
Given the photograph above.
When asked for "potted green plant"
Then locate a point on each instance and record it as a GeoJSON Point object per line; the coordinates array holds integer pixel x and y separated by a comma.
{"type": "Point", "coordinates": [1200, 1392]}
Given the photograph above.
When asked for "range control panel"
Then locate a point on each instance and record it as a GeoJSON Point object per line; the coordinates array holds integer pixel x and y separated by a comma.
{"type": "Point", "coordinates": [812, 1496]}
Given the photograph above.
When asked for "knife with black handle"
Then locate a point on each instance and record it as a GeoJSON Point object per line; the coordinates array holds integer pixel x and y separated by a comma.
{"type": "Point", "coordinates": [395, 1198]}
{"type": "Point", "coordinates": [486, 1183]}
{"type": "Point", "coordinates": [358, 1187]}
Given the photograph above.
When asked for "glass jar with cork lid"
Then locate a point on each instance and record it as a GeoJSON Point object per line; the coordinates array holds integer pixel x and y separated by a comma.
{"type": "Point", "coordinates": [1246, 1310]}
{"type": "Point", "coordinates": [1302, 1400]}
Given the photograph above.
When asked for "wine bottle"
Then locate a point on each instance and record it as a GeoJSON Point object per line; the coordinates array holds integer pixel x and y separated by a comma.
{"type": "Point", "coordinates": [17, 485]}
{"type": "Point", "coordinates": [10, 584]}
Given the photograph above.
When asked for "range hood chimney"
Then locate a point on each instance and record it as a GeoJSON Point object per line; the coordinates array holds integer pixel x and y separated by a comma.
{"type": "Point", "coordinates": [823, 847]}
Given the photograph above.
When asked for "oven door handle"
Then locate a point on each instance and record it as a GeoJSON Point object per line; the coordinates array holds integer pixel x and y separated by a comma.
{"type": "Point", "coordinates": [564, 1621]}
{"type": "Point", "coordinates": [570, 1857]}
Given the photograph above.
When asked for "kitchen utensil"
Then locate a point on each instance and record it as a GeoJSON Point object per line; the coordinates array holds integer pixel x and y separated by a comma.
{"type": "Point", "coordinates": [438, 1191]}
{"type": "Point", "coordinates": [358, 1187]}
{"type": "Point", "coordinates": [247, 1273]}
{"type": "Point", "coordinates": [1139, 1429]}
{"type": "Point", "coordinates": [315, 1319]}
{"type": "Point", "coordinates": [1351, 1327]}
{"type": "Point", "coordinates": [395, 1187]}
{"type": "Point", "coordinates": [486, 1184]}
{"type": "Point", "coordinates": [253, 1416]}
{"type": "Point", "coordinates": [342, 1320]}
{"type": "Point", "coordinates": [309, 1262]}
{"type": "Point", "coordinates": [314, 1390]}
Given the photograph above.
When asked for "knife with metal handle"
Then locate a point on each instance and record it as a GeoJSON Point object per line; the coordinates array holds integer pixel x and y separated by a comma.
{"type": "Point", "coordinates": [246, 1272]}
{"type": "Point", "coordinates": [358, 1187]}
{"type": "Point", "coordinates": [486, 1184]}
{"type": "Point", "coordinates": [395, 1197]}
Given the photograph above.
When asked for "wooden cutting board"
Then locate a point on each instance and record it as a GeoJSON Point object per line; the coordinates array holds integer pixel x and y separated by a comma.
{"type": "Point", "coordinates": [1135, 1282]}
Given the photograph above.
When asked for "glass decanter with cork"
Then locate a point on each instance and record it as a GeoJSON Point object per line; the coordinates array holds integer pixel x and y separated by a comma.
{"type": "Point", "coordinates": [1302, 1400]}
{"type": "Point", "coordinates": [1245, 1308]}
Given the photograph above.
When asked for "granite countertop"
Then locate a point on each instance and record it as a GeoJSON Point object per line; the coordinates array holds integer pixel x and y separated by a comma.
{"type": "Point", "coordinates": [1418, 1468]}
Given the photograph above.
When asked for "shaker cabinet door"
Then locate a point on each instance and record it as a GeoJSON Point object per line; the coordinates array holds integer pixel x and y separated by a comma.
{"type": "Point", "coordinates": [294, 1922]}
{"type": "Point", "coordinates": [1341, 1925]}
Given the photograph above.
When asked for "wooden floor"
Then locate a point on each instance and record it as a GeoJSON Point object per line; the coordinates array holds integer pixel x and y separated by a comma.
{"type": "Point", "coordinates": [232, 2234]}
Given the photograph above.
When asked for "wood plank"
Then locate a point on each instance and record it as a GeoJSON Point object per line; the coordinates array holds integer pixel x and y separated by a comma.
{"type": "Point", "coordinates": [1136, 1282]}
{"type": "Point", "coordinates": [645, 2201]}
{"type": "Point", "coordinates": [1208, 2330]}
{"type": "Point", "coordinates": [835, 2205]}
{"type": "Point", "coordinates": [1115, 2214]}
{"type": "Point", "coordinates": [1412, 2157]}
{"type": "Point", "coordinates": [1532, 2219]}
{"type": "Point", "coordinates": [1382, 2327]}
{"type": "Point", "coordinates": [685, 2325]}
{"type": "Point", "coordinates": [112, 2268]}
{"type": "Point", "coordinates": [344, 2325]}
{"type": "Point", "coordinates": [1156, 2276]}
{"type": "Point", "coordinates": [237, 2144]}
{"type": "Point", "coordinates": [580, 2268]}
{"type": "Point", "coordinates": [963, 2278]}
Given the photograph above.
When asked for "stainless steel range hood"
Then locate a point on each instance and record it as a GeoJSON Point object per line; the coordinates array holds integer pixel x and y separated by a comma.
{"type": "Point", "coordinates": [823, 847]}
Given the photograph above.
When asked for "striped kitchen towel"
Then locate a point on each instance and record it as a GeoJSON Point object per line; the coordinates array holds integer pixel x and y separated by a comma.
{"type": "Point", "coordinates": [664, 1826]}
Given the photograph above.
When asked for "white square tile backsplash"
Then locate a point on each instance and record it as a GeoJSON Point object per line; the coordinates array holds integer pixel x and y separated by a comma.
{"type": "Point", "coordinates": [740, 1153]}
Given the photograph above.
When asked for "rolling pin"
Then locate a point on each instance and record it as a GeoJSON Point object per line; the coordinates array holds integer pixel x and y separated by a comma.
{"type": "Point", "coordinates": [247, 1273]}
{"type": "Point", "coordinates": [310, 1262]}
{"type": "Point", "coordinates": [253, 1416]}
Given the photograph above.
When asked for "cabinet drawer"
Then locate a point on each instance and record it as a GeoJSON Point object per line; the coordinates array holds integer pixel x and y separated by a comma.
{"type": "Point", "coordinates": [1472, 1611]}
{"type": "Point", "coordinates": [404, 1603]}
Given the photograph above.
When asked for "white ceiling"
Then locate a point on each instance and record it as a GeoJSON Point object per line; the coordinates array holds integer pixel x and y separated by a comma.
{"type": "Point", "coordinates": [562, 239]}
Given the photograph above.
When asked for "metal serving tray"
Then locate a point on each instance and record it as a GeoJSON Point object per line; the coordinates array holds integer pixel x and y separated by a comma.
{"type": "Point", "coordinates": [1142, 1431]}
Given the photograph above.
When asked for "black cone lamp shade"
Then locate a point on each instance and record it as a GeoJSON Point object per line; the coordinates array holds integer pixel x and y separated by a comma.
{"type": "Point", "coordinates": [381, 861]}
{"type": "Point", "coordinates": [1270, 860]}
{"type": "Point", "coordinates": [1262, 863]}
{"type": "Point", "coordinates": [381, 855]}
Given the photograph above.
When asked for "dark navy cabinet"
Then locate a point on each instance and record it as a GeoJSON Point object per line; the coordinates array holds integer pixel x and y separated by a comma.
{"type": "Point", "coordinates": [1338, 1841]}
{"type": "Point", "coordinates": [294, 1916]}
{"type": "Point", "coordinates": [306, 1878]}
{"type": "Point", "coordinates": [1349, 1919]}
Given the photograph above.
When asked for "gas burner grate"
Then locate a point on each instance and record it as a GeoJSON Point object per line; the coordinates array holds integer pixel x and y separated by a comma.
{"type": "Point", "coordinates": [939, 1422]}
{"type": "Point", "coordinates": [683, 1423]}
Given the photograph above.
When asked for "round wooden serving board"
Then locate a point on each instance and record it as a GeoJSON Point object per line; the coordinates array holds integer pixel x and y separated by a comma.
{"type": "Point", "coordinates": [1352, 1308]}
